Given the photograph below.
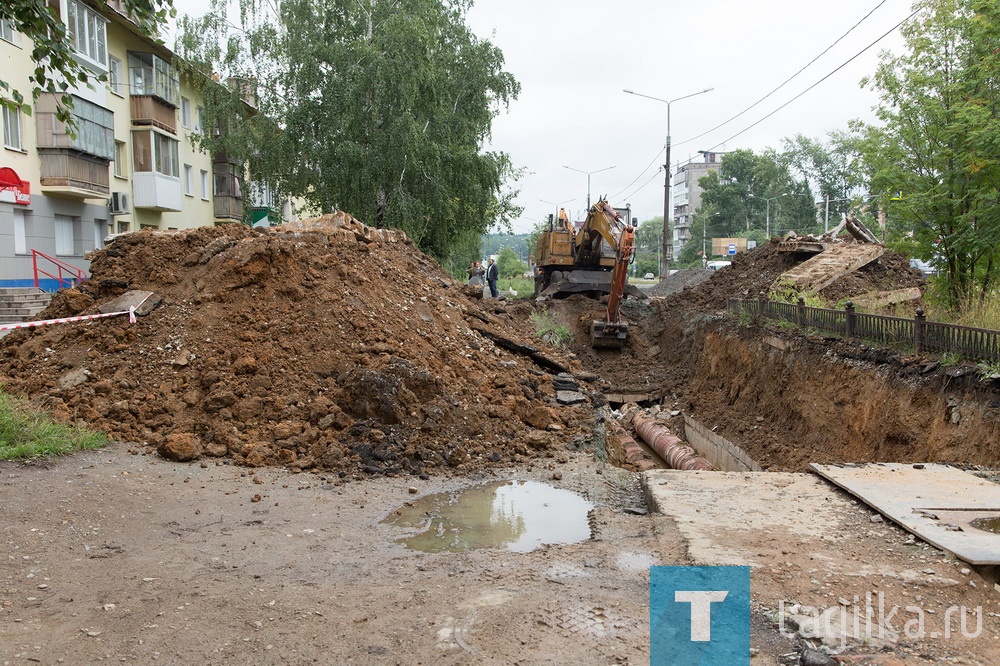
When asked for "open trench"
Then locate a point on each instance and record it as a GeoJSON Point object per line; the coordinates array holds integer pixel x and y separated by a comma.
{"type": "Point", "coordinates": [788, 400]}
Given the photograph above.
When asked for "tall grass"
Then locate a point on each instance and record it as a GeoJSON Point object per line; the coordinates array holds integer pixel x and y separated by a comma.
{"type": "Point", "coordinates": [26, 432]}
{"type": "Point", "coordinates": [974, 310]}
{"type": "Point", "coordinates": [525, 287]}
{"type": "Point", "coordinates": [549, 330]}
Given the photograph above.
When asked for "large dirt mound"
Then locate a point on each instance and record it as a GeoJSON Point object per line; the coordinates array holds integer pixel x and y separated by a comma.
{"type": "Point", "coordinates": [752, 273]}
{"type": "Point", "coordinates": [333, 346]}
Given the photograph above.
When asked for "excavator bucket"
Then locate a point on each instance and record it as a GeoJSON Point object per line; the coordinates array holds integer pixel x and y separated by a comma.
{"type": "Point", "coordinates": [605, 335]}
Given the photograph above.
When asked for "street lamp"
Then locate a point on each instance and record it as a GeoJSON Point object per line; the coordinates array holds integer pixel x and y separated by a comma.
{"type": "Point", "coordinates": [768, 200]}
{"type": "Point", "coordinates": [704, 235]}
{"type": "Point", "coordinates": [588, 178]}
{"type": "Point", "coordinates": [826, 222]}
{"type": "Point", "coordinates": [668, 241]}
{"type": "Point", "coordinates": [557, 204]}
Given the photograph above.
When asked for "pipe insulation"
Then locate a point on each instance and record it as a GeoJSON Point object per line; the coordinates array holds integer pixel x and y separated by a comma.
{"type": "Point", "coordinates": [633, 453]}
{"type": "Point", "coordinates": [668, 446]}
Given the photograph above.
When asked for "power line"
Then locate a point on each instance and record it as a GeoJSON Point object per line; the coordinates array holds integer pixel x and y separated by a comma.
{"type": "Point", "coordinates": [789, 79]}
{"type": "Point", "coordinates": [844, 64]}
{"type": "Point", "coordinates": [643, 186]}
{"type": "Point", "coordinates": [641, 174]}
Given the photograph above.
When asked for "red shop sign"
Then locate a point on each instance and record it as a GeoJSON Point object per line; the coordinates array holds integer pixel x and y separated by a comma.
{"type": "Point", "coordinates": [11, 182]}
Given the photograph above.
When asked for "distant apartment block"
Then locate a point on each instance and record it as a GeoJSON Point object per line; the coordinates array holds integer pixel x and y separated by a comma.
{"type": "Point", "coordinates": [687, 195]}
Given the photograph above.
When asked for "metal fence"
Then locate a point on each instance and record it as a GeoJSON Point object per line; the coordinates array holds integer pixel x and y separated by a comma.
{"type": "Point", "coordinates": [918, 334]}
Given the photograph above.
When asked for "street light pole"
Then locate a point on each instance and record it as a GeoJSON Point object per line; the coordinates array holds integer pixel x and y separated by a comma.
{"type": "Point", "coordinates": [557, 205]}
{"type": "Point", "coordinates": [704, 236]}
{"type": "Point", "coordinates": [668, 241]}
{"type": "Point", "coordinates": [826, 220]}
{"type": "Point", "coordinates": [588, 178]}
{"type": "Point", "coordinates": [768, 201]}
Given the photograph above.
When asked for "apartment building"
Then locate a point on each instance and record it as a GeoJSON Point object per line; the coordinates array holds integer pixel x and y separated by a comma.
{"type": "Point", "coordinates": [130, 165]}
{"type": "Point", "coordinates": [687, 195]}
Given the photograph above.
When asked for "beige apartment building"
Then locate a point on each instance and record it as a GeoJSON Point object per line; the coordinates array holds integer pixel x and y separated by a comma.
{"type": "Point", "coordinates": [130, 166]}
{"type": "Point", "coordinates": [687, 195]}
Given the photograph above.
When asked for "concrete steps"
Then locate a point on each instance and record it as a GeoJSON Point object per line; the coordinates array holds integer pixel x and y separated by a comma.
{"type": "Point", "coordinates": [22, 304]}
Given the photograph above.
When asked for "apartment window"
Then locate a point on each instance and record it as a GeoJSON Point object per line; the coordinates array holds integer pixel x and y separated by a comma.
{"type": "Point", "coordinates": [12, 128]}
{"type": "Point", "coordinates": [188, 180]}
{"type": "Point", "coordinates": [121, 155]}
{"type": "Point", "coordinates": [116, 76]}
{"type": "Point", "coordinates": [64, 235]}
{"type": "Point", "coordinates": [7, 32]}
{"type": "Point", "coordinates": [87, 32]}
{"type": "Point", "coordinates": [204, 185]}
{"type": "Point", "coordinates": [100, 230]}
{"type": "Point", "coordinates": [185, 112]}
{"type": "Point", "coordinates": [152, 151]}
{"type": "Point", "coordinates": [150, 74]}
{"type": "Point", "coordinates": [200, 124]}
{"type": "Point", "coordinates": [123, 226]}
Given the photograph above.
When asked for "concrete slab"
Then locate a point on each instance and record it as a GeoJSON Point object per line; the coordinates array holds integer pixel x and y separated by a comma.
{"type": "Point", "coordinates": [725, 516]}
{"type": "Point", "coordinates": [144, 302]}
{"type": "Point", "coordinates": [935, 502]}
{"type": "Point", "coordinates": [824, 268]}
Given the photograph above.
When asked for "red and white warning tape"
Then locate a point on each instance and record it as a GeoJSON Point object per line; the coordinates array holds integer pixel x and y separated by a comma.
{"type": "Point", "coordinates": [64, 320]}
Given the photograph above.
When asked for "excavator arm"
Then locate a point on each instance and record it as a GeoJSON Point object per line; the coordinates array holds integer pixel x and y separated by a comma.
{"type": "Point", "coordinates": [612, 332]}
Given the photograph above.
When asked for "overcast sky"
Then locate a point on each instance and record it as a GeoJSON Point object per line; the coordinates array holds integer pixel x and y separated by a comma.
{"type": "Point", "coordinates": [573, 58]}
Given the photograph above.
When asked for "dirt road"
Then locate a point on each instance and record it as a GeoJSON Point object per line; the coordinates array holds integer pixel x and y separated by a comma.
{"type": "Point", "coordinates": [122, 557]}
{"type": "Point", "coordinates": [130, 558]}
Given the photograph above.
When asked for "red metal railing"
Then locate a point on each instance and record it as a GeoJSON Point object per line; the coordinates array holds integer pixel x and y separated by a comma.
{"type": "Point", "coordinates": [66, 275]}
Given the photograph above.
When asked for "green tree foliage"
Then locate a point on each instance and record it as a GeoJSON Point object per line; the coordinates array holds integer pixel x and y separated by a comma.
{"type": "Point", "coordinates": [376, 107]}
{"type": "Point", "coordinates": [936, 155]}
{"type": "Point", "coordinates": [741, 191]}
{"type": "Point", "coordinates": [493, 243]}
{"type": "Point", "coordinates": [508, 263]}
{"type": "Point", "coordinates": [57, 69]}
{"type": "Point", "coordinates": [832, 170]}
{"type": "Point", "coordinates": [648, 246]}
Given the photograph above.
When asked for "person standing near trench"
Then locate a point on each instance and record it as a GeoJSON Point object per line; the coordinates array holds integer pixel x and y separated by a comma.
{"type": "Point", "coordinates": [492, 275]}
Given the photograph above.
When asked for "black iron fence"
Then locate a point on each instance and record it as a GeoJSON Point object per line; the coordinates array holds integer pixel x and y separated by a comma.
{"type": "Point", "coordinates": [918, 334]}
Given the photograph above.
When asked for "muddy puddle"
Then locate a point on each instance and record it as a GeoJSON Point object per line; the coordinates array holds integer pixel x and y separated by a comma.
{"type": "Point", "coordinates": [988, 524]}
{"type": "Point", "coordinates": [517, 516]}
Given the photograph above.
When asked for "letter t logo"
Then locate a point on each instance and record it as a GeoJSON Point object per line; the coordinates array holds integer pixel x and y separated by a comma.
{"type": "Point", "coordinates": [701, 610]}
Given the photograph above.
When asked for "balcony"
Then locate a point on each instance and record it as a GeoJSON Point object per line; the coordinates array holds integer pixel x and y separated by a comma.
{"type": "Point", "coordinates": [228, 207]}
{"type": "Point", "coordinates": [156, 191]}
{"type": "Point", "coordinates": [75, 175]}
{"type": "Point", "coordinates": [151, 110]}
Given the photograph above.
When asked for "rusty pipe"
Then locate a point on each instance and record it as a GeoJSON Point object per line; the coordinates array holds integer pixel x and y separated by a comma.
{"type": "Point", "coordinates": [668, 446]}
{"type": "Point", "coordinates": [631, 451]}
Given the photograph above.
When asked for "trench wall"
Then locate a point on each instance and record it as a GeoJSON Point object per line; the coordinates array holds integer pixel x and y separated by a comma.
{"type": "Point", "coordinates": [789, 402]}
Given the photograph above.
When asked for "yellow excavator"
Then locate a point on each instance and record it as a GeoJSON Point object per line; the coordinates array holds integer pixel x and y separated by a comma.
{"type": "Point", "coordinates": [593, 260]}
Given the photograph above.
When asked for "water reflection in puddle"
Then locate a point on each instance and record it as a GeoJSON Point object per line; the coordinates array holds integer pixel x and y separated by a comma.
{"type": "Point", "coordinates": [988, 524]}
{"type": "Point", "coordinates": [518, 516]}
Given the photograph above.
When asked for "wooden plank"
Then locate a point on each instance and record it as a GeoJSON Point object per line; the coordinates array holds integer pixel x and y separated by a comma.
{"type": "Point", "coordinates": [935, 502]}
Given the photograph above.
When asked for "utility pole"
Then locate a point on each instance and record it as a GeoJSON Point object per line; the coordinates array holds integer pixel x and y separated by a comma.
{"type": "Point", "coordinates": [668, 239]}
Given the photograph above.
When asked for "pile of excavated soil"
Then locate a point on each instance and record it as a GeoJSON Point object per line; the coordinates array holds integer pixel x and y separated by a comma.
{"type": "Point", "coordinates": [682, 279]}
{"type": "Point", "coordinates": [330, 346]}
{"type": "Point", "coordinates": [752, 273]}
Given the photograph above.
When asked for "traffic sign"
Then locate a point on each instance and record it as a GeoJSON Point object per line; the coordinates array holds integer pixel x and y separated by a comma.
{"type": "Point", "coordinates": [732, 249]}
